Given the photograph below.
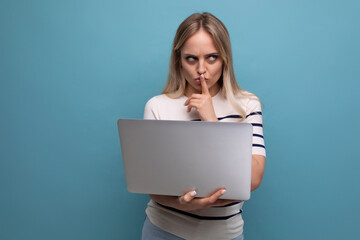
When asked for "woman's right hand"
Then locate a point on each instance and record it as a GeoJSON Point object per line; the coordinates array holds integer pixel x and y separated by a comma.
{"type": "Point", "coordinates": [189, 202]}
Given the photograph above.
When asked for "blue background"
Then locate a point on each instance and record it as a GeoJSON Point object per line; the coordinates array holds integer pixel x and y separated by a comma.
{"type": "Point", "coordinates": [69, 69]}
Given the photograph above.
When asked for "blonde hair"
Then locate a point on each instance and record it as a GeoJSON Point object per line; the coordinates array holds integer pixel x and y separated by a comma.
{"type": "Point", "coordinates": [176, 83]}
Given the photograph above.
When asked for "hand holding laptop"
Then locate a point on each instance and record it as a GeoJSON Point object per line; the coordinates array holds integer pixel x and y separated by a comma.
{"type": "Point", "coordinates": [189, 202]}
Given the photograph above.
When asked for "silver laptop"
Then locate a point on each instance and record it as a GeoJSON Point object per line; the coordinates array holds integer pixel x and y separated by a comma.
{"type": "Point", "coordinates": [173, 157]}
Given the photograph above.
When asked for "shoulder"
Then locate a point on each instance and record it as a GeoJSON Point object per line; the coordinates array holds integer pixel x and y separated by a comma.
{"type": "Point", "coordinates": [164, 107]}
{"type": "Point", "coordinates": [161, 99]}
{"type": "Point", "coordinates": [151, 110]}
{"type": "Point", "coordinates": [152, 102]}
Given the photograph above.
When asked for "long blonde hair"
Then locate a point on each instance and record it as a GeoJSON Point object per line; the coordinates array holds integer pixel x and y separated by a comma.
{"type": "Point", "coordinates": [176, 83]}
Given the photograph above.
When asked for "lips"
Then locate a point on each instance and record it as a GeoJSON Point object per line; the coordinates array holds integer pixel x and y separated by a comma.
{"type": "Point", "coordinates": [198, 79]}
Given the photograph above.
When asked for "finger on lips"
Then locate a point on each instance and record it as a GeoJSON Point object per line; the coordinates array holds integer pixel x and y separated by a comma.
{"type": "Point", "coordinates": [204, 86]}
{"type": "Point", "coordinates": [204, 90]}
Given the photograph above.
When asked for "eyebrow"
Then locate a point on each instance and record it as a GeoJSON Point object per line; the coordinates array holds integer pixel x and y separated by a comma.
{"type": "Point", "coordinates": [209, 54]}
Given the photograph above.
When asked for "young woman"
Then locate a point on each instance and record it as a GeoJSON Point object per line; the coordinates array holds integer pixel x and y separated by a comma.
{"type": "Point", "coordinates": [201, 86]}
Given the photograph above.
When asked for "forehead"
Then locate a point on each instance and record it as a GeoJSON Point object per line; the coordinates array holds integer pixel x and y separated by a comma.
{"type": "Point", "coordinates": [199, 43]}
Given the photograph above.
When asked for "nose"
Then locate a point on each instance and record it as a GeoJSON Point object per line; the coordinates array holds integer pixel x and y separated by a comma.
{"type": "Point", "coordinates": [201, 67]}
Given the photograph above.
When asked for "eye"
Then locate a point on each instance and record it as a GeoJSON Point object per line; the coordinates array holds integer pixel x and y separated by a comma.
{"type": "Point", "coordinates": [212, 58]}
{"type": "Point", "coordinates": [190, 59]}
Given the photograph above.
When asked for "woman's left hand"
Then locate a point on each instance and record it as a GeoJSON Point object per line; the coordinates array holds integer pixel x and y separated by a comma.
{"type": "Point", "coordinates": [202, 102]}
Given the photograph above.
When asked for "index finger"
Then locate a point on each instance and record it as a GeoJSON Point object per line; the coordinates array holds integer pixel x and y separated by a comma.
{"type": "Point", "coordinates": [216, 195]}
{"type": "Point", "coordinates": [187, 197]}
{"type": "Point", "coordinates": [204, 86]}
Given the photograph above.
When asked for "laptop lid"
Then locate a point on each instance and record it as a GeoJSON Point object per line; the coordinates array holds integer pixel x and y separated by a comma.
{"type": "Point", "coordinates": [169, 157]}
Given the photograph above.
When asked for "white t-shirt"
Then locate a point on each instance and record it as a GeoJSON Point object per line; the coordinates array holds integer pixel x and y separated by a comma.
{"type": "Point", "coordinates": [216, 222]}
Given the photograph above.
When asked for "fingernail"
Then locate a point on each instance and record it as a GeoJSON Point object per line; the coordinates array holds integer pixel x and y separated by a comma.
{"type": "Point", "coordinates": [192, 194]}
{"type": "Point", "coordinates": [223, 191]}
{"type": "Point", "coordinates": [202, 75]}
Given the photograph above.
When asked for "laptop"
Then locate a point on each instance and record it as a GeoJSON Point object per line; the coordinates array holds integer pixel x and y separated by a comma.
{"type": "Point", "coordinates": [168, 157]}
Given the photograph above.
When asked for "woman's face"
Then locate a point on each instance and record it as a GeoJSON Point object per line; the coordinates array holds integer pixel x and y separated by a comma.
{"type": "Point", "coordinates": [200, 56]}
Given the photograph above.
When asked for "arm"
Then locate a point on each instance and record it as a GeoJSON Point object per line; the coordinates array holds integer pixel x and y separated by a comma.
{"type": "Point", "coordinates": [254, 116]}
{"type": "Point", "coordinates": [257, 170]}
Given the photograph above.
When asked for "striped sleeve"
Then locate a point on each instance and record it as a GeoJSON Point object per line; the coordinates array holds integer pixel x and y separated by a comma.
{"type": "Point", "coordinates": [254, 116]}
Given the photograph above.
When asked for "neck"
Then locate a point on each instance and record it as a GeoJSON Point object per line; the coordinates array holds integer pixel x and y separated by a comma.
{"type": "Point", "coordinates": [213, 90]}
